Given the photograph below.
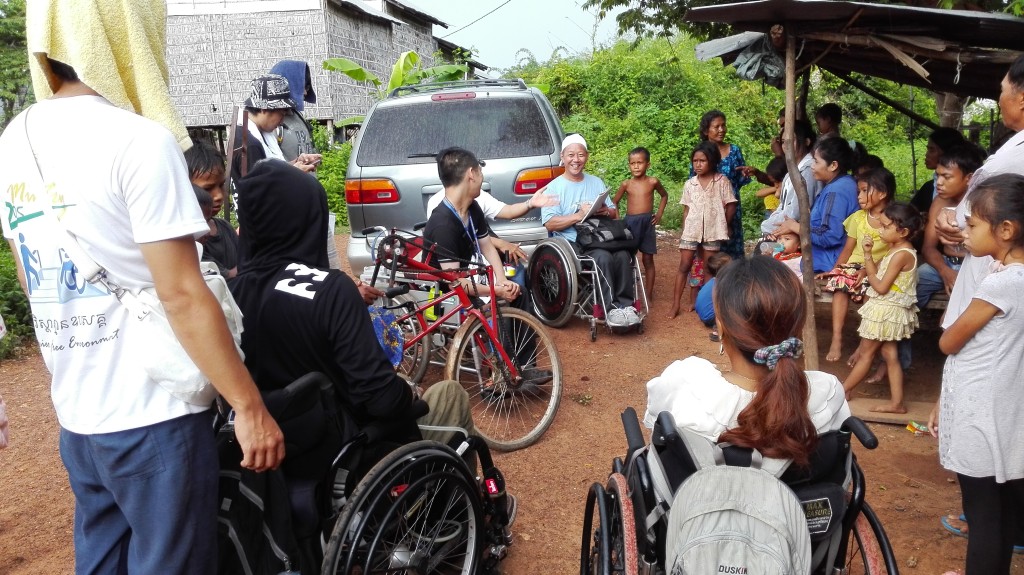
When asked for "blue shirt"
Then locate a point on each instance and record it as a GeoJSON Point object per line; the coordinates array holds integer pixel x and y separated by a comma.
{"type": "Point", "coordinates": [835, 203]}
{"type": "Point", "coordinates": [705, 306]}
{"type": "Point", "coordinates": [570, 196]}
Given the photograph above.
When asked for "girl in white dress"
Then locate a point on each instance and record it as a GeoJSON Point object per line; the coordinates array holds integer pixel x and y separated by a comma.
{"type": "Point", "coordinates": [765, 401]}
{"type": "Point", "coordinates": [979, 418]}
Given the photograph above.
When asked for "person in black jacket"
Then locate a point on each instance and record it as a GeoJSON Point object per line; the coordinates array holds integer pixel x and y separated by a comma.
{"type": "Point", "coordinates": [300, 316]}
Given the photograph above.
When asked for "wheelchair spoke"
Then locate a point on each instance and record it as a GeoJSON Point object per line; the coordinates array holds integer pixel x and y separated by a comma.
{"type": "Point", "coordinates": [418, 511]}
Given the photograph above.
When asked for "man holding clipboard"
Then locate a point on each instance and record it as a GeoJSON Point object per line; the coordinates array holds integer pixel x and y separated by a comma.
{"type": "Point", "coordinates": [581, 196]}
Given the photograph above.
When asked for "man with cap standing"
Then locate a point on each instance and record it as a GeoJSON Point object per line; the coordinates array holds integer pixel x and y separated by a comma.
{"type": "Point", "coordinates": [576, 191]}
{"type": "Point", "coordinates": [268, 105]}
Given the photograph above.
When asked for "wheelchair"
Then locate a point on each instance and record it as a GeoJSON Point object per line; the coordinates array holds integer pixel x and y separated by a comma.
{"type": "Point", "coordinates": [625, 521]}
{"type": "Point", "coordinates": [563, 283]}
{"type": "Point", "coordinates": [364, 502]}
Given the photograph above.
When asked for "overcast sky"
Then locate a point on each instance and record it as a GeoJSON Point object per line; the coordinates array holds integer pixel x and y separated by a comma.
{"type": "Point", "coordinates": [540, 26]}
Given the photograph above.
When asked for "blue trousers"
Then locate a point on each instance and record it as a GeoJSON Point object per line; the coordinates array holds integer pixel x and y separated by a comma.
{"type": "Point", "coordinates": [145, 499]}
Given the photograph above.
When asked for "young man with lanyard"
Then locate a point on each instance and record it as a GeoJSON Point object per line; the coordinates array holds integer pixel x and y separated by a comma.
{"type": "Point", "coordinates": [458, 227]}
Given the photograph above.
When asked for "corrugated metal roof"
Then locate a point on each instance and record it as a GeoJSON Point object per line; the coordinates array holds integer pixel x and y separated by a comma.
{"type": "Point", "coordinates": [959, 51]}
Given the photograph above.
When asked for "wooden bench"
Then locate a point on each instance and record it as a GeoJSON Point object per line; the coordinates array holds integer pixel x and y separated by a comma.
{"type": "Point", "coordinates": [938, 301]}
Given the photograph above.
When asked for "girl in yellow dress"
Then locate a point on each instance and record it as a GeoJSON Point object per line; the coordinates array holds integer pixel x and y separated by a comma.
{"type": "Point", "coordinates": [890, 314]}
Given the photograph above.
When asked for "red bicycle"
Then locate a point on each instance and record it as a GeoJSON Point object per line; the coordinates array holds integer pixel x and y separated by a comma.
{"type": "Point", "coordinates": [503, 357]}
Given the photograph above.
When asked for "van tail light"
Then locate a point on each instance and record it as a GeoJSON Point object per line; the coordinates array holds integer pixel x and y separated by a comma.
{"type": "Point", "coordinates": [529, 181]}
{"type": "Point", "coordinates": [380, 191]}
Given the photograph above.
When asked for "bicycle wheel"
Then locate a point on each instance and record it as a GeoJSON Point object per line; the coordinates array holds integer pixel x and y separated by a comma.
{"type": "Point", "coordinates": [417, 511]}
{"type": "Point", "coordinates": [415, 359]}
{"type": "Point", "coordinates": [509, 413]}
{"type": "Point", "coordinates": [863, 552]}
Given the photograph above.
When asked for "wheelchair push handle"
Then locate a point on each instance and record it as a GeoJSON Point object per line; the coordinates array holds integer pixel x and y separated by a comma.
{"type": "Point", "coordinates": [634, 435]}
{"type": "Point", "coordinates": [857, 427]}
{"type": "Point", "coordinates": [397, 290]}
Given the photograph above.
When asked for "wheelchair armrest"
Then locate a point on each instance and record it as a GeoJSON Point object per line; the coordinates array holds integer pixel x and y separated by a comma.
{"type": "Point", "coordinates": [380, 429]}
{"type": "Point", "coordinates": [859, 429]}
{"type": "Point", "coordinates": [296, 398]}
{"type": "Point", "coordinates": [419, 226]}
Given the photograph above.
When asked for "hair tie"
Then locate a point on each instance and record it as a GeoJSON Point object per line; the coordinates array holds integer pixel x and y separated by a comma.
{"type": "Point", "coordinates": [771, 354]}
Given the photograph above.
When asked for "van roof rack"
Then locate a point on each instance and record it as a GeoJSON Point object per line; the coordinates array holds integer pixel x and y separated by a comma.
{"type": "Point", "coordinates": [437, 86]}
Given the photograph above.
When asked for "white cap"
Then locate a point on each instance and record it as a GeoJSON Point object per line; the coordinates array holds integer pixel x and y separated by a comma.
{"type": "Point", "coordinates": [573, 139]}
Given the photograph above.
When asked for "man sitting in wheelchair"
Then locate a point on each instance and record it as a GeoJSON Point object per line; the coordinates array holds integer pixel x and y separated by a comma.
{"type": "Point", "coordinates": [302, 317]}
{"type": "Point", "coordinates": [577, 191]}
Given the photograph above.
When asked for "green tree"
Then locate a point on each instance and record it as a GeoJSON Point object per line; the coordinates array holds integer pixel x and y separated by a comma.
{"type": "Point", "coordinates": [406, 71]}
{"type": "Point", "coordinates": [15, 80]}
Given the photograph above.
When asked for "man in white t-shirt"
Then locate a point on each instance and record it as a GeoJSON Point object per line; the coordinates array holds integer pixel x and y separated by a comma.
{"type": "Point", "coordinates": [141, 463]}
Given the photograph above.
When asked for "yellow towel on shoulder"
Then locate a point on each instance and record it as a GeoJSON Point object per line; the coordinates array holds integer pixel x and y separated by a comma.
{"type": "Point", "coordinates": [117, 47]}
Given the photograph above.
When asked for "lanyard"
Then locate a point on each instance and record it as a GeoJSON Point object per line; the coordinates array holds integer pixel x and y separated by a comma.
{"type": "Point", "coordinates": [470, 229]}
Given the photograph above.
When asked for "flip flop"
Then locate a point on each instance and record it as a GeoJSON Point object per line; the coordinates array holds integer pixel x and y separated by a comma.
{"type": "Point", "coordinates": [959, 532]}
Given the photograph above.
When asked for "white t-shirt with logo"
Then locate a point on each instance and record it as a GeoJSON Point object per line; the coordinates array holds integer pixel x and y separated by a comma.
{"type": "Point", "coordinates": [115, 180]}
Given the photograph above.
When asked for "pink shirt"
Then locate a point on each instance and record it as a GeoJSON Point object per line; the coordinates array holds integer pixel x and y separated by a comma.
{"type": "Point", "coordinates": [705, 215]}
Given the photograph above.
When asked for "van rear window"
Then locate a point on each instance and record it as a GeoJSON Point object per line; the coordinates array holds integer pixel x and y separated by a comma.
{"type": "Point", "coordinates": [491, 128]}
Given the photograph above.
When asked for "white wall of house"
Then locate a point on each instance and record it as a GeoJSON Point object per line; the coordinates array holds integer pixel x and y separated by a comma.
{"type": "Point", "coordinates": [216, 47]}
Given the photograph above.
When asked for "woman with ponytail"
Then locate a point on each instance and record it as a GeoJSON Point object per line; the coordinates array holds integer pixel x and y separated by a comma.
{"type": "Point", "coordinates": [765, 401]}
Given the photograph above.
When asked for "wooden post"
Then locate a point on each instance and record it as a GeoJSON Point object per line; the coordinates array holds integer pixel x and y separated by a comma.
{"type": "Point", "coordinates": [810, 335]}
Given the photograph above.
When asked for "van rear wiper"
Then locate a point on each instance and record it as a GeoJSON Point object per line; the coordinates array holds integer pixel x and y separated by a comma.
{"type": "Point", "coordinates": [423, 155]}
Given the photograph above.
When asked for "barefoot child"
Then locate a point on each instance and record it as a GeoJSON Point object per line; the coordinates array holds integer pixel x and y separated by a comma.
{"type": "Point", "coordinates": [708, 205]}
{"type": "Point", "coordinates": [775, 172]}
{"type": "Point", "coordinates": [890, 313]}
{"type": "Point", "coordinates": [979, 418]}
{"type": "Point", "coordinates": [875, 190]}
{"type": "Point", "coordinates": [639, 191]}
{"type": "Point", "coordinates": [705, 305]}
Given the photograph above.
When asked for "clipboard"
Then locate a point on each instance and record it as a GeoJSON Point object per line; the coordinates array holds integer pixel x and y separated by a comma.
{"type": "Point", "coordinates": [597, 204]}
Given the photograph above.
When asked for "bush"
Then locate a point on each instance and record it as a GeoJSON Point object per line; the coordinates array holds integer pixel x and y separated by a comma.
{"type": "Point", "coordinates": [331, 174]}
{"type": "Point", "coordinates": [653, 94]}
{"type": "Point", "coordinates": [13, 306]}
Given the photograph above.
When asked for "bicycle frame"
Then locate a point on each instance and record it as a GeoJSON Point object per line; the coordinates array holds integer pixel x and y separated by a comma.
{"type": "Point", "coordinates": [466, 307]}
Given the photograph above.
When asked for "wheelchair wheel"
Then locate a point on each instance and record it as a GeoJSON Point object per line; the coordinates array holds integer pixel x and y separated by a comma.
{"type": "Point", "coordinates": [554, 281]}
{"type": "Point", "coordinates": [416, 359]}
{"type": "Point", "coordinates": [609, 537]}
{"type": "Point", "coordinates": [417, 511]}
{"type": "Point", "coordinates": [509, 414]}
{"type": "Point", "coordinates": [868, 550]}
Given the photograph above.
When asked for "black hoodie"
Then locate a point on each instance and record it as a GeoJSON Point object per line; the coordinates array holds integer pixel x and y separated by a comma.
{"type": "Point", "coordinates": [300, 316]}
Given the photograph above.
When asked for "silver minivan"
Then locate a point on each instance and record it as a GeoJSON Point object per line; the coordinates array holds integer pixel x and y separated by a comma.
{"type": "Point", "coordinates": [392, 171]}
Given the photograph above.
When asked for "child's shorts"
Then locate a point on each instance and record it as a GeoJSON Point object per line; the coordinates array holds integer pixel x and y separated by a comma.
{"type": "Point", "coordinates": [643, 231]}
{"type": "Point", "coordinates": [843, 279]}
{"type": "Point", "coordinates": [711, 246]}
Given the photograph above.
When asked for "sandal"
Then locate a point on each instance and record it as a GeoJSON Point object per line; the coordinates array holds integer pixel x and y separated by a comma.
{"type": "Point", "coordinates": [958, 531]}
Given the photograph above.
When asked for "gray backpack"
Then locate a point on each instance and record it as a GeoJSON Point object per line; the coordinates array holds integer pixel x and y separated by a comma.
{"type": "Point", "coordinates": [734, 520]}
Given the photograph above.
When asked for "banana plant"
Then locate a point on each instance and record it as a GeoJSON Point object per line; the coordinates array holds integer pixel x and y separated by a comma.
{"type": "Point", "coordinates": [406, 71]}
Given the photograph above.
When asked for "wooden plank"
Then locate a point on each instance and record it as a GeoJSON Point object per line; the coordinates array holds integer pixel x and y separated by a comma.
{"type": "Point", "coordinates": [938, 301]}
{"type": "Point", "coordinates": [916, 411]}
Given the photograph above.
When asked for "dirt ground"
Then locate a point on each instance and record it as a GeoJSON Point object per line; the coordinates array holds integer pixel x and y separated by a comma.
{"type": "Point", "coordinates": [906, 486]}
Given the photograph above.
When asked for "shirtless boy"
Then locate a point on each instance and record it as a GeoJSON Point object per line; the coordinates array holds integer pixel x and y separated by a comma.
{"type": "Point", "coordinates": [639, 192]}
